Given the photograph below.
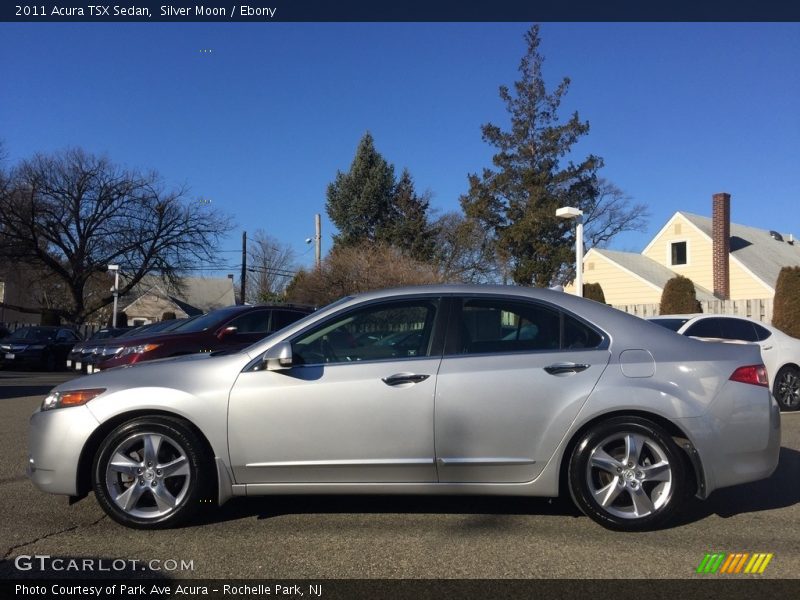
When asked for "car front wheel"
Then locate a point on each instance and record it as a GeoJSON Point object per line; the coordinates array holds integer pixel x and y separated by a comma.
{"type": "Point", "coordinates": [151, 473]}
{"type": "Point", "coordinates": [627, 474]}
{"type": "Point", "coordinates": [787, 388]}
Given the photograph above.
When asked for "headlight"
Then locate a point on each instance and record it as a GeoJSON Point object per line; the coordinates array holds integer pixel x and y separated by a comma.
{"type": "Point", "coordinates": [110, 350]}
{"type": "Point", "coordinates": [140, 349]}
{"type": "Point", "coordinates": [70, 398]}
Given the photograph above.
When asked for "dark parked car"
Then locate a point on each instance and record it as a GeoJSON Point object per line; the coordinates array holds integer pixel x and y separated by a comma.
{"type": "Point", "coordinates": [226, 329]}
{"type": "Point", "coordinates": [92, 353]}
{"type": "Point", "coordinates": [38, 346]}
{"type": "Point", "coordinates": [80, 351]}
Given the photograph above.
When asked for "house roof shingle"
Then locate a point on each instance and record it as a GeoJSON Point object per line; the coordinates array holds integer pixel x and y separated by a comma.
{"type": "Point", "coordinates": [194, 295]}
{"type": "Point", "coordinates": [755, 248]}
{"type": "Point", "coordinates": [648, 269]}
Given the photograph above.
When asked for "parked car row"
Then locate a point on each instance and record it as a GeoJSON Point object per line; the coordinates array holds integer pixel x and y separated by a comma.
{"type": "Point", "coordinates": [223, 330]}
{"type": "Point", "coordinates": [85, 355]}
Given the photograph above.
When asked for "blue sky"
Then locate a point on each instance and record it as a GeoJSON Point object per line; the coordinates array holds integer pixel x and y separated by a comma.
{"type": "Point", "coordinates": [260, 124]}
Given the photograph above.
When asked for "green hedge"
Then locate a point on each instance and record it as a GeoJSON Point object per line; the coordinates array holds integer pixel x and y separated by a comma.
{"type": "Point", "coordinates": [786, 307]}
{"type": "Point", "coordinates": [679, 297]}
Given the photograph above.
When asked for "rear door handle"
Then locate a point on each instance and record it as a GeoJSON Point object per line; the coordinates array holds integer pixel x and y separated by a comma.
{"type": "Point", "coordinates": [565, 367]}
{"type": "Point", "coordinates": [401, 378]}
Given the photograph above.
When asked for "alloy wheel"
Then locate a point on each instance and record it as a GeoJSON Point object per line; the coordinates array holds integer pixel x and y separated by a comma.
{"type": "Point", "coordinates": [148, 475]}
{"type": "Point", "coordinates": [787, 389]}
{"type": "Point", "coordinates": [629, 475]}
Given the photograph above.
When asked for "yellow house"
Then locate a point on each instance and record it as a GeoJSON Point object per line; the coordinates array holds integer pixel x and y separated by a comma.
{"type": "Point", "coordinates": [725, 260]}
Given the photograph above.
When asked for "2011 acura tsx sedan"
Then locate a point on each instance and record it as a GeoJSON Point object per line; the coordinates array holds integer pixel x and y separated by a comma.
{"type": "Point", "coordinates": [492, 390]}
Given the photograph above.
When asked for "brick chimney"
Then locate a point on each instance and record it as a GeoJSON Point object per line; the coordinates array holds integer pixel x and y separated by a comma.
{"type": "Point", "coordinates": [721, 236]}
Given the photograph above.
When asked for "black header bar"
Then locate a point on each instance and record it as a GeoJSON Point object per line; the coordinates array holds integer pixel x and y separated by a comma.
{"type": "Point", "coordinates": [271, 11]}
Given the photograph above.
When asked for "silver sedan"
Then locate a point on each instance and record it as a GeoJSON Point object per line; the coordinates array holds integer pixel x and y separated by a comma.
{"type": "Point", "coordinates": [425, 390]}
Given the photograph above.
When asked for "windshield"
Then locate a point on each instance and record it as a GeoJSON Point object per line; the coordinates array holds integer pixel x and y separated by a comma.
{"type": "Point", "coordinates": [179, 324]}
{"type": "Point", "coordinates": [300, 322]}
{"type": "Point", "coordinates": [105, 334]}
{"type": "Point", "coordinates": [32, 334]}
{"type": "Point", "coordinates": [204, 322]}
{"type": "Point", "coordinates": [673, 324]}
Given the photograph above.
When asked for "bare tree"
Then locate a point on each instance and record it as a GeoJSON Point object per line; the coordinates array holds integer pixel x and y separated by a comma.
{"type": "Point", "coordinates": [353, 269]}
{"type": "Point", "coordinates": [270, 268]}
{"type": "Point", "coordinates": [610, 214]}
{"type": "Point", "coordinates": [73, 213]}
{"type": "Point", "coordinates": [465, 252]}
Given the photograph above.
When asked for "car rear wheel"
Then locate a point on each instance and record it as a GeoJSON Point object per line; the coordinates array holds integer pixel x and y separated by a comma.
{"type": "Point", "coordinates": [627, 474]}
{"type": "Point", "coordinates": [787, 388]}
{"type": "Point", "coordinates": [151, 473]}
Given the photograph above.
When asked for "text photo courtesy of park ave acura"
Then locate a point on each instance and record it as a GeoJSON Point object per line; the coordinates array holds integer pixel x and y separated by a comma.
{"type": "Point", "coordinates": [349, 300]}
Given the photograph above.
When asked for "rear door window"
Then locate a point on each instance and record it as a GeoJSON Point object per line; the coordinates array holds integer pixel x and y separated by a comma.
{"type": "Point", "coordinates": [710, 328]}
{"type": "Point", "coordinates": [738, 329]}
{"type": "Point", "coordinates": [493, 325]}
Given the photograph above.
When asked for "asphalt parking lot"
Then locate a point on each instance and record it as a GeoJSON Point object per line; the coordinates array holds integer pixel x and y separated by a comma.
{"type": "Point", "coordinates": [388, 537]}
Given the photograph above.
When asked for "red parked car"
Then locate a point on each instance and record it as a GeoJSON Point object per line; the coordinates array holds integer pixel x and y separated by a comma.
{"type": "Point", "coordinates": [230, 329]}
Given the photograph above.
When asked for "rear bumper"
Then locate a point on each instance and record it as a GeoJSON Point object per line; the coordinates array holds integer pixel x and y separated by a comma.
{"type": "Point", "coordinates": [739, 439]}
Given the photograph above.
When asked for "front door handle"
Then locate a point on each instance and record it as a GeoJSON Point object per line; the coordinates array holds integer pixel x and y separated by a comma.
{"type": "Point", "coordinates": [766, 347]}
{"type": "Point", "coordinates": [401, 378]}
{"type": "Point", "coordinates": [565, 367]}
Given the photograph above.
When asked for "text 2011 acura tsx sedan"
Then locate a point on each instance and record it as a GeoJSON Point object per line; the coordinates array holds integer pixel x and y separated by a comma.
{"type": "Point", "coordinates": [495, 390]}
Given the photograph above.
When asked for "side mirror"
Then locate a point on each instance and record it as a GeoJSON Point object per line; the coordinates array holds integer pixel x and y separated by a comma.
{"type": "Point", "coordinates": [223, 333]}
{"type": "Point", "coordinates": [278, 357]}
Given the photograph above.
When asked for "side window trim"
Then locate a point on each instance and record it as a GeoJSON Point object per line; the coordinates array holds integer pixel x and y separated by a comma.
{"type": "Point", "coordinates": [457, 303]}
{"type": "Point", "coordinates": [435, 340]}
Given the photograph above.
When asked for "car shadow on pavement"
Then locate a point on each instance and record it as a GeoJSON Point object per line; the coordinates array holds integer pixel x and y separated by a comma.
{"type": "Point", "coordinates": [20, 391]}
{"type": "Point", "coordinates": [266, 507]}
{"type": "Point", "coordinates": [781, 490]}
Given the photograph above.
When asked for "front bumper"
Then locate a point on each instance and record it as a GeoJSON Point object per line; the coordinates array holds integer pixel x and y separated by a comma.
{"type": "Point", "coordinates": [56, 439]}
{"type": "Point", "coordinates": [29, 358]}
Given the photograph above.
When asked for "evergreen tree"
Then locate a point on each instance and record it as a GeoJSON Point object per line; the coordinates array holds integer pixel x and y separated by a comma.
{"type": "Point", "coordinates": [517, 200]}
{"type": "Point", "coordinates": [359, 202]}
{"type": "Point", "coordinates": [367, 205]}
{"type": "Point", "coordinates": [408, 228]}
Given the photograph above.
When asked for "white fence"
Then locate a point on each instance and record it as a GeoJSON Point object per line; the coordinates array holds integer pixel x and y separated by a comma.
{"type": "Point", "coordinates": [759, 308]}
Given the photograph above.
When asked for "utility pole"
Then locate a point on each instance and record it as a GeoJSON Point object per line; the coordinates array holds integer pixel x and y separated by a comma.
{"type": "Point", "coordinates": [244, 265]}
{"type": "Point", "coordinates": [115, 270]}
{"type": "Point", "coordinates": [317, 241]}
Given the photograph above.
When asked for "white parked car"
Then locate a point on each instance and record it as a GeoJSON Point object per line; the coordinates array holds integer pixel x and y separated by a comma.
{"type": "Point", "coordinates": [780, 352]}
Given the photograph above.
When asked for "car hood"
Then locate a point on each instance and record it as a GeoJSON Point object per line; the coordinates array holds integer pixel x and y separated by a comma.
{"type": "Point", "coordinates": [189, 373]}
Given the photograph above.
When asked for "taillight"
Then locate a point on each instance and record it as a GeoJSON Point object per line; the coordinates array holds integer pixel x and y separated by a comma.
{"type": "Point", "coordinates": [753, 374]}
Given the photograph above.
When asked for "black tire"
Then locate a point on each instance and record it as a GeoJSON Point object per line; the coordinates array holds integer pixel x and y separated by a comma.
{"type": "Point", "coordinates": [628, 491]}
{"type": "Point", "coordinates": [787, 388]}
{"type": "Point", "coordinates": [159, 497]}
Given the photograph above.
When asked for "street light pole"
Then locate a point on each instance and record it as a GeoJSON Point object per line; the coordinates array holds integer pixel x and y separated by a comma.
{"type": "Point", "coordinates": [317, 241]}
{"type": "Point", "coordinates": [114, 269]}
{"type": "Point", "coordinates": [568, 212]}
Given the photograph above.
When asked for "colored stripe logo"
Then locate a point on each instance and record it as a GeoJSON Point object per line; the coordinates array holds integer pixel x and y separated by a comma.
{"type": "Point", "coordinates": [735, 563]}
